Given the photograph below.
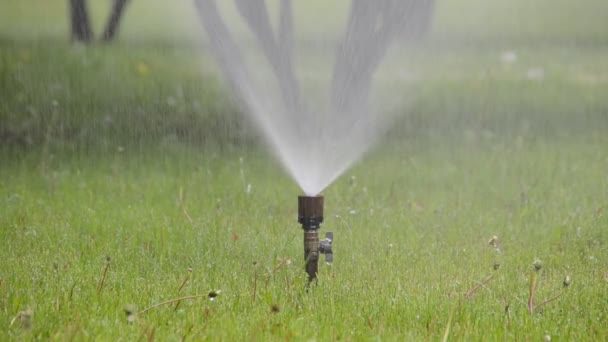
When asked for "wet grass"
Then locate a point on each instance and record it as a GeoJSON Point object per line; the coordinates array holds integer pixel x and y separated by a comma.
{"type": "Point", "coordinates": [128, 179]}
{"type": "Point", "coordinates": [86, 238]}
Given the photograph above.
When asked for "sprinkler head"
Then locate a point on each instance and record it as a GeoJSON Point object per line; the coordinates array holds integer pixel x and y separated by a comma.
{"type": "Point", "coordinates": [310, 211]}
{"type": "Point", "coordinates": [310, 216]}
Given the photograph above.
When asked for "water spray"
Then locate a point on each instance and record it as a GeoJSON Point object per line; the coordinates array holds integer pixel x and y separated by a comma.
{"type": "Point", "coordinates": [310, 216]}
{"type": "Point", "coordinates": [332, 134]}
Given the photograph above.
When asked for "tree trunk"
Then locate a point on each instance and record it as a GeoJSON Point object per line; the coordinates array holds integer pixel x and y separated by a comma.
{"type": "Point", "coordinates": [114, 20]}
{"type": "Point", "coordinates": [255, 13]}
{"type": "Point", "coordinates": [81, 28]}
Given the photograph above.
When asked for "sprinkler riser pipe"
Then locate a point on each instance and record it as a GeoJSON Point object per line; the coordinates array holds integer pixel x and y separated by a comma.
{"type": "Point", "coordinates": [311, 252]}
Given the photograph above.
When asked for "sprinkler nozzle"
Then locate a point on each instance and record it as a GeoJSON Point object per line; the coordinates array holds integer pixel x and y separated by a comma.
{"type": "Point", "coordinates": [310, 211]}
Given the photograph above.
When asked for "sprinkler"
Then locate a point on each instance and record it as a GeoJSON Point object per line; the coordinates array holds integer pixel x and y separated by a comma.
{"type": "Point", "coordinates": [310, 215]}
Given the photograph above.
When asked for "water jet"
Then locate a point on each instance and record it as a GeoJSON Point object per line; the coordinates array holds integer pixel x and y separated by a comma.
{"type": "Point", "coordinates": [315, 108]}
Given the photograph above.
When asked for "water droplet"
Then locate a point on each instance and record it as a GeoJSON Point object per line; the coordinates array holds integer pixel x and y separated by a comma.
{"type": "Point", "coordinates": [535, 74]}
{"type": "Point", "coordinates": [508, 57]}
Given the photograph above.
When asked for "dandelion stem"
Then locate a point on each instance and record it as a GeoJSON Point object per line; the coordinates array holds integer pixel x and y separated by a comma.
{"type": "Point", "coordinates": [533, 283]}
{"type": "Point", "coordinates": [548, 301]}
{"type": "Point", "coordinates": [182, 204]}
{"type": "Point", "coordinates": [255, 284]}
{"type": "Point", "coordinates": [103, 277]}
{"type": "Point", "coordinates": [448, 326]}
{"type": "Point", "coordinates": [186, 278]}
{"type": "Point", "coordinates": [172, 301]}
{"type": "Point", "coordinates": [184, 282]}
{"type": "Point", "coordinates": [470, 293]}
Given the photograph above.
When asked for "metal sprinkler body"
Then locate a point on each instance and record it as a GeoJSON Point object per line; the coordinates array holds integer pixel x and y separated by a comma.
{"type": "Point", "coordinates": [310, 215]}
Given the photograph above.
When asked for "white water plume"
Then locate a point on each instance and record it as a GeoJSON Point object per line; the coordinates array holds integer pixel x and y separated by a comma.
{"type": "Point", "coordinates": [311, 98]}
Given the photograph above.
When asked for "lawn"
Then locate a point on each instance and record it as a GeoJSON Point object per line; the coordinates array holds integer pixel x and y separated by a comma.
{"type": "Point", "coordinates": [129, 178]}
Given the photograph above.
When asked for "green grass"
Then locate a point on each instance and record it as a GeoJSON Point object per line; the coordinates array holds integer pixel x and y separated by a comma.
{"type": "Point", "coordinates": [411, 238]}
{"type": "Point", "coordinates": [136, 154]}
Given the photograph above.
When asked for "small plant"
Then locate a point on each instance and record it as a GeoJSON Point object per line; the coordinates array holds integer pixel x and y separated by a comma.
{"type": "Point", "coordinates": [131, 312]}
{"type": "Point", "coordinates": [493, 243]}
{"type": "Point", "coordinates": [103, 275]}
{"type": "Point", "coordinates": [184, 282]}
{"type": "Point", "coordinates": [537, 265]}
{"type": "Point", "coordinates": [255, 280]}
{"type": "Point", "coordinates": [479, 285]}
{"type": "Point", "coordinates": [211, 295]}
{"type": "Point", "coordinates": [182, 204]}
{"type": "Point", "coordinates": [283, 262]}
{"type": "Point", "coordinates": [23, 319]}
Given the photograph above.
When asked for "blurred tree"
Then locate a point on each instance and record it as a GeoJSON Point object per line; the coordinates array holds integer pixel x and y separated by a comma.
{"type": "Point", "coordinates": [113, 21]}
{"type": "Point", "coordinates": [81, 27]}
{"type": "Point", "coordinates": [277, 47]}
